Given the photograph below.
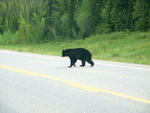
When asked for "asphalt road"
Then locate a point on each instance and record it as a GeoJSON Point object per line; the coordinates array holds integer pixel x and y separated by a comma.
{"type": "Point", "coordinates": [32, 83]}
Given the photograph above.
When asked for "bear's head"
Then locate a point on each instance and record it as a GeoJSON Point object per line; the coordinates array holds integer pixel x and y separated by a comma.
{"type": "Point", "coordinates": [63, 53]}
{"type": "Point", "coordinates": [66, 52]}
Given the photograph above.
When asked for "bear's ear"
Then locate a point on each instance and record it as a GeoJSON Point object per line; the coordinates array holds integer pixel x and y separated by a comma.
{"type": "Point", "coordinates": [63, 50]}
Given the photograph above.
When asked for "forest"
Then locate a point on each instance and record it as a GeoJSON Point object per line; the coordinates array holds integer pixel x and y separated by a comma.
{"type": "Point", "coordinates": [37, 21]}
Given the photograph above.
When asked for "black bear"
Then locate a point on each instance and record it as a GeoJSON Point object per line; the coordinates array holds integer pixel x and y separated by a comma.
{"type": "Point", "coordinates": [78, 53]}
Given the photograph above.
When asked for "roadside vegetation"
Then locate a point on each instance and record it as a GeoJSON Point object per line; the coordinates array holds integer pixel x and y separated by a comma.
{"type": "Point", "coordinates": [119, 46]}
{"type": "Point", "coordinates": [116, 30]}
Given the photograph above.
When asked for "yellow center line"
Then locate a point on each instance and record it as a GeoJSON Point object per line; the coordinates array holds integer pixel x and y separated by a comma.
{"type": "Point", "coordinates": [75, 84]}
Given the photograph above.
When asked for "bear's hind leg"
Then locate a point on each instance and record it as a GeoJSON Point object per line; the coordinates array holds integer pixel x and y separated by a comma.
{"type": "Point", "coordinates": [90, 62]}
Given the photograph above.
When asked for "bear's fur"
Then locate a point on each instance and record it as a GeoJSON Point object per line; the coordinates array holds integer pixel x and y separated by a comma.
{"type": "Point", "coordinates": [78, 53]}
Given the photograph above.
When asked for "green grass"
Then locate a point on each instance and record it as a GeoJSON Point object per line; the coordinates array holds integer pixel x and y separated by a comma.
{"type": "Point", "coordinates": [118, 46]}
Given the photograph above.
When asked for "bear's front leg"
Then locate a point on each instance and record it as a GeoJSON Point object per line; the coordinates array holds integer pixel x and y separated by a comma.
{"type": "Point", "coordinates": [72, 62]}
{"type": "Point", "coordinates": [83, 63]}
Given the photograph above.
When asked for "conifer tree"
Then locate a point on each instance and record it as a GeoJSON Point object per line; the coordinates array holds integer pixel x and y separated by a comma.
{"type": "Point", "coordinates": [141, 15]}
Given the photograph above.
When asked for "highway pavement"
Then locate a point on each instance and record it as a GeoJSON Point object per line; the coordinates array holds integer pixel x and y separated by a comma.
{"type": "Point", "coordinates": [34, 83]}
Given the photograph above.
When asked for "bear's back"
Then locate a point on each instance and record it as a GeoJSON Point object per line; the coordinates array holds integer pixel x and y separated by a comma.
{"type": "Point", "coordinates": [81, 53]}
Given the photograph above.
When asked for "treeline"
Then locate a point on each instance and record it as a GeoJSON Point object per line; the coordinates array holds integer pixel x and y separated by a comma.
{"type": "Point", "coordinates": [41, 20]}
